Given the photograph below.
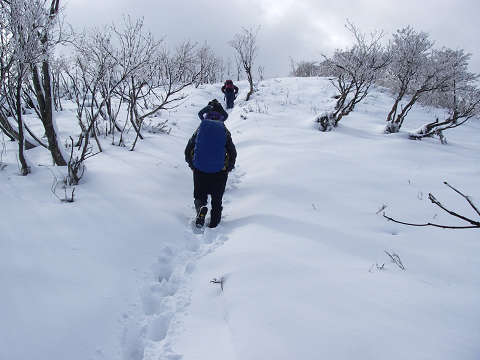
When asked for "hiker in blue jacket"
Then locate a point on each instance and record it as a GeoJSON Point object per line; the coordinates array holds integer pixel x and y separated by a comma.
{"type": "Point", "coordinates": [230, 91]}
{"type": "Point", "coordinates": [211, 154]}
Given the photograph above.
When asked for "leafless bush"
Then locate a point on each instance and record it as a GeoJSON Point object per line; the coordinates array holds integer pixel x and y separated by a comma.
{"type": "Point", "coordinates": [76, 166]}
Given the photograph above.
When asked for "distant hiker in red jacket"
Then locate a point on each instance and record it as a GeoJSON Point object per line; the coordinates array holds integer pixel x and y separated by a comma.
{"type": "Point", "coordinates": [211, 154]}
{"type": "Point", "coordinates": [230, 91]}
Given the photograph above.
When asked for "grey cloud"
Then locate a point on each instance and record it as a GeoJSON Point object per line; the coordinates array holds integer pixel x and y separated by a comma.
{"type": "Point", "coordinates": [302, 30]}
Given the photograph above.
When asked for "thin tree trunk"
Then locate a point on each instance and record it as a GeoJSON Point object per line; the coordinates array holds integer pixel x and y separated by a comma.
{"type": "Point", "coordinates": [400, 117]}
{"type": "Point", "coordinates": [250, 82]}
{"type": "Point", "coordinates": [25, 170]}
{"type": "Point", "coordinates": [393, 112]}
{"type": "Point", "coordinates": [6, 132]}
{"type": "Point", "coordinates": [44, 97]}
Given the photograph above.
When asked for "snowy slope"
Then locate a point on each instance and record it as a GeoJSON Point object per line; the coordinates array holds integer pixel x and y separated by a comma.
{"type": "Point", "coordinates": [119, 274]}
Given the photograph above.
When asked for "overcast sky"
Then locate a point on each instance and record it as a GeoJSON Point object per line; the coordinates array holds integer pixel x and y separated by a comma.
{"type": "Point", "coordinates": [301, 29]}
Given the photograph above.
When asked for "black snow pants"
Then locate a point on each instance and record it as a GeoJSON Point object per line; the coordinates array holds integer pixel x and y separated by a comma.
{"type": "Point", "coordinates": [213, 184]}
{"type": "Point", "coordinates": [229, 97]}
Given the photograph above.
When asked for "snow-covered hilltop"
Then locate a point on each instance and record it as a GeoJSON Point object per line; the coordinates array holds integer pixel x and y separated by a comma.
{"type": "Point", "coordinates": [301, 251]}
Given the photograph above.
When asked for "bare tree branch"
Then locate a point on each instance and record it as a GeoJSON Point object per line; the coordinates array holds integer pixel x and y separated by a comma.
{"type": "Point", "coordinates": [474, 224]}
{"type": "Point", "coordinates": [464, 196]}
{"type": "Point", "coordinates": [430, 224]}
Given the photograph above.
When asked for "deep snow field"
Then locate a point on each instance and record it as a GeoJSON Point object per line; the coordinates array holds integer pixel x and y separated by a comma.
{"type": "Point", "coordinates": [120, 275]}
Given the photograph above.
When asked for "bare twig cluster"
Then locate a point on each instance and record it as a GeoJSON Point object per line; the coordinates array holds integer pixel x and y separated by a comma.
{"type": "Point", "coordinates": [219, 281]}
{"type": "Point", "coordinates": [68, 195]}
{"type": "Point", "coordinates": [395, 259]}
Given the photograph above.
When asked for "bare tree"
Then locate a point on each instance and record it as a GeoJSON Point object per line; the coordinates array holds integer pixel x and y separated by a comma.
{"type": "Point", "coordinates": [245, 45]}
{"type": "Point", "coordinates": [42, 79]}
{"type": "Point", "coordinates": [92, 68]}
{"type": "Point", "coordinates": [105, 60]}
{"type": "Point", "coordinates": [415, 71]}
{"type": "Point", "coordinates": [209, 66]}
{"type": "Point", "coordinates": [25, 23]}
{"type": "Point", "coordinates": [135, 51]}
{"type": "Point", "coordinates": [409, 51]}
{"type": "Point", "coordinates": [173, 72]}
{"type": "Point", "coordinates": [460, 96]}
{"type": "Point", "coordinates": [355, 71]}
{"type": "Point", "coordinates": [9, 56]}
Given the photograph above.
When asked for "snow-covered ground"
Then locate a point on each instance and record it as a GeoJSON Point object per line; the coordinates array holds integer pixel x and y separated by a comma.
{"type": "Point", "coordinates": [119, 273]}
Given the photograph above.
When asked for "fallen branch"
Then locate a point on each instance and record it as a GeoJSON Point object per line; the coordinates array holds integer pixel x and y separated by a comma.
{"type": "Point", "coordinates": [433, 199]}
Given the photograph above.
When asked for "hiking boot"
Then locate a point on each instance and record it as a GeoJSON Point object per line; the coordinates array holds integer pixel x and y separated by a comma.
{"type": "Point", "coordinates": [199, 204]}
{"type": "Point", "coordinates": [215, 217]}
{"type": "Point", "coordinates": [200, 220]}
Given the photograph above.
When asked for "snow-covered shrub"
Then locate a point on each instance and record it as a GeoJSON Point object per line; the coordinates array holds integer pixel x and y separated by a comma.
{"type": "Point", "coordinates": [460, 97]}
{"type": "Point", "coordinates": [26, 28]}
{"type": "Point", "coordinates": [355, 71]}
{"type": "Point", "coordinates": [416, 71]}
